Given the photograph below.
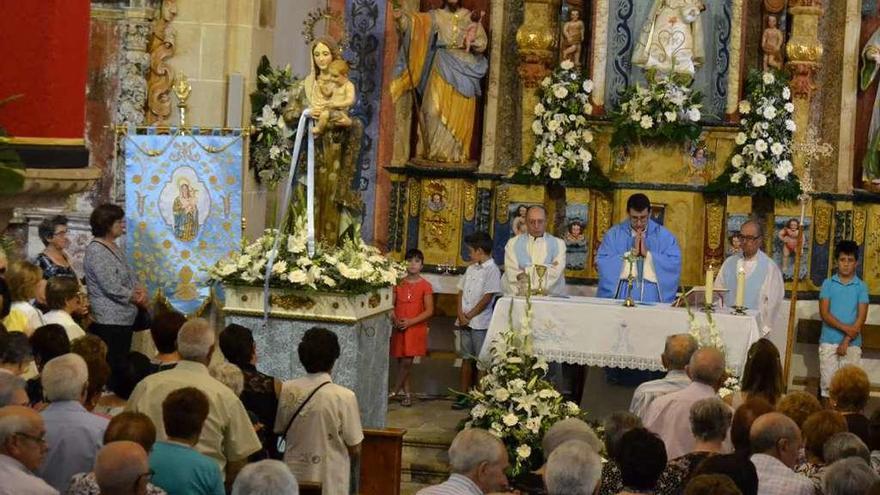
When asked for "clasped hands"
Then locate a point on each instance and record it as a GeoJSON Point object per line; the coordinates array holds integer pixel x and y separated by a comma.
{"type": "Point", "coordinates": [640, 248]}
{"type": "Point", "coordinates": [139, 296]}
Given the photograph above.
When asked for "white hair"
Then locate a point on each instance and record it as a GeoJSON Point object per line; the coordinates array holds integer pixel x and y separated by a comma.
{"type": "Point", "coordinates": [574, 468]}
{"type": "Point", "coordinates": [269, 477]}
{"type": "Point", "coordinates": [9, 384]}
{"type": "Point", "coordinates": [850, 475]}
{"type": "Point", "coordinates": [64, 378]}
{"type": "Point", "coordinates": [842, 445]}
{"type": "Point", "coordinates": [12, 424]}
{"type": "Point", "coordinates": [230, 375]}
{"type": "Point", "coordinates": [471, 447]}
{"type": "Point", "coordinates": [195, 339]}
{"type": "Point", "coordinates": [569, 429]}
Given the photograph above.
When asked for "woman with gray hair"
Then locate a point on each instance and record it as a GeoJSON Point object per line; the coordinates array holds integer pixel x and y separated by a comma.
{"type": "Point", "coordinates": [710, 422]}
{"type": "Point", "coordinates": [573, 469]}
{"type": "Point", "coordinates": [843, 445]}
{"type": "Point", "coordinates": [616, 426]}
{"type": "Point", "coordinates": [53, 260]}
{"type": "Point", "coordinates": [267, 477]}
{"type": "Point", "coordinates": [849, 476]}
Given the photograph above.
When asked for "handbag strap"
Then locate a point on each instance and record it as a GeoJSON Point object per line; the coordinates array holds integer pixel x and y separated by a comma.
{"type": "Point", "coordinates": [301, 406]}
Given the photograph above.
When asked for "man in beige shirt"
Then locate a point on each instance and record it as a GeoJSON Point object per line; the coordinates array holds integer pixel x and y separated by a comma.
{"type": "Point", "coordinates": [228, 435]}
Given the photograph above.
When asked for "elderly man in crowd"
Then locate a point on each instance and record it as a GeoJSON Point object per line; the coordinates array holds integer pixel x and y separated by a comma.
{"type": "Point", "coordinates": [122, 469]}
{"type": "Point", "coordinates": [676, 355]}
{"type": "Point", "coordinates": [227, 436]}
{"type": "Point", "coordinates": [22, 449]}
{"type": "Point", "coordinates": [567, 430]}
{"type": "Point", "coordinates": [267, 477]}
{"type": "Point", "coordinates": [669, 416]}
{"type": "Point", "coordinates": [478, 461]}
{"type": "Point", "coordinates": [75, 435]}
{"type": "Point", "coordinates": [776, 442]}
{"type": "Point", "coordinates": [573, 469]}
{"type": "Point", "coordinates": [13, 390]}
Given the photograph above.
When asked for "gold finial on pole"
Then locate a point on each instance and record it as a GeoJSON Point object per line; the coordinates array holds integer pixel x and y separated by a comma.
{"type": "Point", "coordinates": [182, 89]}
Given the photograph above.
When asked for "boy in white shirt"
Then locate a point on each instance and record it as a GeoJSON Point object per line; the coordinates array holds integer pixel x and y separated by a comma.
{"type": "Point", "coordinates": [64, 300]}
{"type": "Point", "coordinates": [476, 291]}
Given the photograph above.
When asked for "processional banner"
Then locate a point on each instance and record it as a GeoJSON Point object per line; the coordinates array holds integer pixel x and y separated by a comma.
{"type": "Point", "coordinates": [183, 204]}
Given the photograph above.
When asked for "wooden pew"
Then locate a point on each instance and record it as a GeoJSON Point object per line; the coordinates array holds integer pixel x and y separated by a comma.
{"type": "Point", "coordinates": [381, 461]}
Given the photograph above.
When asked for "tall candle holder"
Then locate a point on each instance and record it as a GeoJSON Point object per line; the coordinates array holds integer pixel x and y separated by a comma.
{"type": "Point", "coordinates": [541, 271]}
{"type": "Point", "coordinates": [629, 302]}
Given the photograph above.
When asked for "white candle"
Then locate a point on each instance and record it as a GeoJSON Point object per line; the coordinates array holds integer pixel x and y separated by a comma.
{"type": "Point", "coordinates": [709, 283]}
{"type": "Point", "coordinates": [740, 283]}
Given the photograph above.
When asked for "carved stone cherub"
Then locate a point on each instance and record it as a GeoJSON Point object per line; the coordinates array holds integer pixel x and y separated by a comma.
{"type": "Point", "coordinates": [771, 44]}
{"type": "Point", "coordinates": [573, 37]}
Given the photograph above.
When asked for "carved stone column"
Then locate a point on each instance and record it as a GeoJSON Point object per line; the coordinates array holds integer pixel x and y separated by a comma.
{"type": "Point", "coordinates": [804, 51]}
{"type": "Point", "coordinates": [537, 41]}
{"type": "Point", "coordinates": [137, 26]}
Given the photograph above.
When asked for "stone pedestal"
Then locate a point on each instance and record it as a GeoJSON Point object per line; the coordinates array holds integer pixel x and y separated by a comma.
{"type": "Point", "coordinates": [361, 323]}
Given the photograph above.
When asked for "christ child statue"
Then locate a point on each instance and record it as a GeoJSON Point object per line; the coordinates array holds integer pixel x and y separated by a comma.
{"type": "Point", "coordinates": [771, 44]}
{"type": "Point", "coordinates": [334, 98]}
{"type": "Point", "coordinates": [789, 237]}
{"type": "Point", "coordinates": [473, 29]}
{"type": "Point", "coordinates": [573, 34]}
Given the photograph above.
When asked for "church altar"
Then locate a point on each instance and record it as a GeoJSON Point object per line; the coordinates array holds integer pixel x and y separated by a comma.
{"type": "Point", "coordinates": [602, 332]}
{"type": "Point", "coordinates": [359, 321]}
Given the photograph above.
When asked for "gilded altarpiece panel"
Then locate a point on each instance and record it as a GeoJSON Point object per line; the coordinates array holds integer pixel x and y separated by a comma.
{"type": "Point", "coordinates": [440, 221]}
{"type": "Point", "coordinates": [871, 250]}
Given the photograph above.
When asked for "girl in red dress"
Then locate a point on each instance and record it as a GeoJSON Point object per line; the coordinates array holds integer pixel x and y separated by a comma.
{"type": "Point", "coordinates": [413, 305]}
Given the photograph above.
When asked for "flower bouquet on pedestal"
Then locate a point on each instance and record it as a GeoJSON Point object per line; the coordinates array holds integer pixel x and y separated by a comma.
{"type": "Point", "coordinates": [663, 112]}
{"type": "Point", "coordinates": [563, 150]}
{"type": "Point", "coordinates": [762, 161]}
{"type": "Point", "coordinates": [514, 401]}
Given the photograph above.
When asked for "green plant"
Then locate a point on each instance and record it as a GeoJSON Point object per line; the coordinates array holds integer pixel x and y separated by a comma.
{"type": "Point", "coordinates": [662, 112]}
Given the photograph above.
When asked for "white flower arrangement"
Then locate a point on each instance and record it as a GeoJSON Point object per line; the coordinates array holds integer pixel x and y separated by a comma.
{"type": "Point", "coordinates": [354, 267]}
{"type": "Point", "coordinates": [514, 401]}
{"type": "Point", "coordinates": [708, 335]}
{"type": "Point", "coordinates": [762, 159]}
{"type": "Point", "coordinates": [563, 150]}
{"type": "Point", "coordinates": [272, 143]}
{"type": "Point", "coordinates": [664, 110]}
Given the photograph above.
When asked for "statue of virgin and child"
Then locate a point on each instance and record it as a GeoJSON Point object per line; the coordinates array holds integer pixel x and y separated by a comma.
{"type": "Point", "coordinates": [671, 40]}
{"type": "Point", "coordinates": [329, 94]}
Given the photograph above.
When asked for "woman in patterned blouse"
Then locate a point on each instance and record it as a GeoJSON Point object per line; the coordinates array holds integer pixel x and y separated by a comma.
{"type": "Point", "coordinates": [53, 260]}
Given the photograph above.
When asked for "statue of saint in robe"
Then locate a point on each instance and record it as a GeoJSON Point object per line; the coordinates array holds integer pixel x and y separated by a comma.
{"type": "Point", "coordinates": [671, 40]}
{"type": "Point", "coordinates": [870, 62]}
{"type": "Point", "coordinates": [186, 212]}
{"type": "Point", "coordinates": [441, 59]}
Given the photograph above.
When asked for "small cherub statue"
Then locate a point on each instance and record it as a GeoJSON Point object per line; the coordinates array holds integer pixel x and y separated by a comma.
{"type": "Point", "coordinates": [771, 44]}
{"type": "Point", "coordinates": [334, 97]}
{"type": "Point", "coordinates": [573, 36]}
{"type": "Point", "coordinates": [473, 29]}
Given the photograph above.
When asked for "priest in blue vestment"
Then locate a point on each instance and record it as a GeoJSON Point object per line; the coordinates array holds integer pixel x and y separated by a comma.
{"type": "Point", "coordinates": [656, 265]}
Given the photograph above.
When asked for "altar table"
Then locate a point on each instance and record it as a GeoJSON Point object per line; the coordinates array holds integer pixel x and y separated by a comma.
{"type": "Point", "coordinates": [602, 332]}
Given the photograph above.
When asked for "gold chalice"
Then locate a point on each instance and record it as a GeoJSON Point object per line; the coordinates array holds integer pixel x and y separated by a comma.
{"type": "Point", "coordinates": [541, 270]}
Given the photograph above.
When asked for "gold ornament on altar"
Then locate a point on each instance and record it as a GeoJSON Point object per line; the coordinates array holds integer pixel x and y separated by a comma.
{"type": "Point", "coordinates": [541, 271]}
{"type": "Point", "coordinates": [182, 89]}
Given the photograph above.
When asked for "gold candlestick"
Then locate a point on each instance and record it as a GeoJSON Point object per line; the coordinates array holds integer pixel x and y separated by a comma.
{"type": "Point", "coordinates": [182, 89]}
{"type": "Point", "coordinates": [629, 302]}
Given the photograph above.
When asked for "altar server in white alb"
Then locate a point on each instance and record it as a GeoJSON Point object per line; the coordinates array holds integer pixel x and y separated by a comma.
{"type": "Point", "coordinates": [534, 248]}
{"type": "Point", "coordinates": [764, 287]}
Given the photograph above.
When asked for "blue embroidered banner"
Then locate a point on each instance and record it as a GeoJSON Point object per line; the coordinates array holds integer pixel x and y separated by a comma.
{"type": "Point", "coordinates": [183, 205]}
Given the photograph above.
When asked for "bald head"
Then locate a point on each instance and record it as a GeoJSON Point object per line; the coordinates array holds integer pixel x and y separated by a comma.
{"type": "Point", "coordinates": [21, 431]}
{"type": "Point", "coordinates": [706, 366]}
{"type": "Point", "coordinates": [678, 351]}
{"type": "Point", "coordinates": [536, 220]}
{"type": "Point", "coordinates": [13, 417]}
{"type": "Point", "coordinates": [120, 466]}
{"type": "Point", "coordinates": [777, 435]}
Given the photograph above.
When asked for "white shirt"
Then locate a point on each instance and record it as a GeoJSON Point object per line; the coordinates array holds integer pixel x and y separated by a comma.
{"type": "Point", "coordinates": [479, 279]}
{"type": "Point", "coordinates": [33, 315]}
{"type": "Point", "coordinates": [554, 279]}
{"type": "Point", "coordinates": [16, 479]}
{"type": "Point", "coordinates": [61, 317]}
{"type": "Point", "coordinates": [669, 417]}
{"type": "Point", "coordinates": [318, 439]}
{"type": "Point", "coordinates": [772, 291]}
{"type": "Point", "coordinates": [645, 393]}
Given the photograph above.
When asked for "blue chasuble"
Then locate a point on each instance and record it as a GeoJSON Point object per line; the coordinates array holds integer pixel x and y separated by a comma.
{"type": "Point", "coordinates": [665, 255]}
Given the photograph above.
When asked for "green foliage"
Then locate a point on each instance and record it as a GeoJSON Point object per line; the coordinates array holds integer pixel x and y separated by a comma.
{"type": "Point", "coordinates": [278, 92]}
{"type": "Point", "coordinates": [664, 112]}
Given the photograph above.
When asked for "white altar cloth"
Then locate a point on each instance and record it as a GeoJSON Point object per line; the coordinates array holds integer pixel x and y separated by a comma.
{"type": "Point", "coordinates": [601, 332]}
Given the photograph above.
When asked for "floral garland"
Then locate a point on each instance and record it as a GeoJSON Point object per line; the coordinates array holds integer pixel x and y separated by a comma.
{"type": "Point", "coordinates": [563, 151]}
{"type": "Point", "coordinates": [272, 142]}
{"type": "Point", "coordinates": [662, 111]}
{"type": "Point", "coordinates": [513, 401]}
{"type": "Point", "coordinates": [762, 161]}
{"type": "Point", "coordinates": [354, 267]}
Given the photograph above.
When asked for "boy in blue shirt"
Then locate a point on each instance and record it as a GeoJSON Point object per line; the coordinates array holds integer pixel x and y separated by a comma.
{"type": "Point", "coordinates": [843, 305]}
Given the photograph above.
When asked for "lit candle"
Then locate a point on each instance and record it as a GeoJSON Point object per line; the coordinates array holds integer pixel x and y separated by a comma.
{"type": "Point", "coordinates": [740, 283]}
{"type": "Point", "coordinates": [709, 283]}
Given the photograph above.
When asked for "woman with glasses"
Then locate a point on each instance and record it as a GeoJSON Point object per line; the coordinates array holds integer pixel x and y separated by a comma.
{"type": "Point", "coordinates": [54, 260]}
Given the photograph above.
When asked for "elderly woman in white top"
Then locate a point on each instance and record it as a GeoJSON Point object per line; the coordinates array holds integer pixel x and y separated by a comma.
{"type": "Point", "coordinates": [114, 294]}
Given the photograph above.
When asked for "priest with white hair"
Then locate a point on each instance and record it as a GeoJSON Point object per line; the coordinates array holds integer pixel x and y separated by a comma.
{"type": "Point", "coordinates": [534, 257]}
